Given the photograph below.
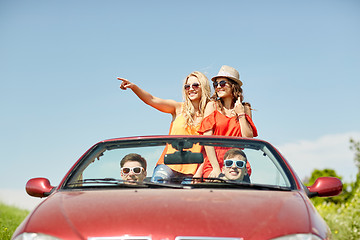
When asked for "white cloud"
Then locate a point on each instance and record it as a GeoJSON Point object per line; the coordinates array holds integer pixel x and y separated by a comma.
{"type": "Point", "coordinates": [19, 198]}
{"type": "Point", "coordinates": [330, 151]}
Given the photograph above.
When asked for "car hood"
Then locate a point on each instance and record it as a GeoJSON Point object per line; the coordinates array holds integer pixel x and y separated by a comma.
{"type": "Point", "coordinates": [167, 213]}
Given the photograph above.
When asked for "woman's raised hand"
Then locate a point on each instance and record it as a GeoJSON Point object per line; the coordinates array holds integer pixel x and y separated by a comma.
{"type": "Point", "coordinates": [239, 107]}
{"type": "Point", "coordinates": [125, 83]}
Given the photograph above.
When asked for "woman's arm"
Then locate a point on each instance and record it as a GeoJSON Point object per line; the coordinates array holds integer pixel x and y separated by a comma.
{"type": "Point", "coordinates": [210, 151]}
{"type": "Point", "coordinates": [240, 109]}
{"type": "Point", "coordinates": [246, 130]}
{"type": "Point", "coordinates": [211, 154]}
{"type": "Point", "coordinates": [199, 171]}
{"type": "Point", "coordinates": [163, 105]}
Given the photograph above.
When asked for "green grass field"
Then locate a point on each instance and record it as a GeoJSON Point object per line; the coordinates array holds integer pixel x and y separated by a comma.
{"type": "Point", "coordinates": [10, 218]}
{"type": "Point", "coordinates": [343, 219]}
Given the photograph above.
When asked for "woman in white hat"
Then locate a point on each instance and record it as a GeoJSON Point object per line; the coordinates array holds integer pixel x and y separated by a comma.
{"type": "Point", "coordinates": [225, 115]}
{"type": "Point", "coordinates": [186, 119]}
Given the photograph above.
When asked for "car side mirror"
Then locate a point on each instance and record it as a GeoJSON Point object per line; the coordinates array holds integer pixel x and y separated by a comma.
{"type": "Point", "coordinates": [39, 187]}
{"type": "Point", "coordinates": [325, 187]}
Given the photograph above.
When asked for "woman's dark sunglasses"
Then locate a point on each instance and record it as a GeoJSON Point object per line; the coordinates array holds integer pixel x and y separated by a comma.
{"type": "Point", "coordinates": [136, 170]}
{"type": "Point", "coordinates": [194, 86]}
{"type": "Point", "coordinates": [238, 163]}
{"type": "Point", "coordinates": [221, 83]}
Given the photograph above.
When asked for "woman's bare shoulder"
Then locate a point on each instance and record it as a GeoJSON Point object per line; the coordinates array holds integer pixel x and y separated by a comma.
{"type": "Point", "coordinates": [209, 108]}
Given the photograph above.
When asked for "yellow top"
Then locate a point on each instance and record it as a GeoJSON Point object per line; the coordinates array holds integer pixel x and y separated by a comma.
{"type": "Point", "coordinates": [178, 127]}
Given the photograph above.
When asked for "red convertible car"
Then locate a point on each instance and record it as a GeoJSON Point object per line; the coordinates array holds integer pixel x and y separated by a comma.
{"type": "Point", "coordinates": [256, 196]}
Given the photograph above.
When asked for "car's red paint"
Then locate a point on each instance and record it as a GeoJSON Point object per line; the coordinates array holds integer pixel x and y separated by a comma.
{"type": "Point", "coordinates": [164, 213]}
{"type": "Point", "coordinates": [39, 187]}
{"type": "Point", "coordinates": [161, 213]}
{"type": "Point", "coordinates": [326, 186]}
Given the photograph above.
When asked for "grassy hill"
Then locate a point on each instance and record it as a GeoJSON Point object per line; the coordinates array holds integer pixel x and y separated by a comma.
{"type": "Point", "coordinates": [10, 218]}
{"type": "Point", "coordinates": [343, 218]}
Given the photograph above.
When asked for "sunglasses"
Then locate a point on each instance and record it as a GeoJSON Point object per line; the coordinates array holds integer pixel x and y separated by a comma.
{"type": "Point", "coordinates": [195, 86]}
{"type": "Point", "coordinates": [136, 170]}
{"type": "Point", "coordinates": [221, 83]}
{"type": "Point", "coordinates": [239, 163]}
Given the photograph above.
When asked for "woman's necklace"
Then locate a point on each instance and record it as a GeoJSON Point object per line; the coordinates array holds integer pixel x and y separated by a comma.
{"type": "Point", "coordinates": [197, 118]}
{"type": "Point", "coordinates": [229, 112]}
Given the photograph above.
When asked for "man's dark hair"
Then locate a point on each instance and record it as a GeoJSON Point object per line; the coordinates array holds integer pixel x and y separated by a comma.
{"type": "Point", "coordinates": [233, 152]}
{"type": "Point", "coordinates": [134, 157]}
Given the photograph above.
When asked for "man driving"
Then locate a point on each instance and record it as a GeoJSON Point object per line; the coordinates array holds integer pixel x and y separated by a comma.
{"type": "Point", "coordinates": [133, 168]}
{"type": "Point", "coordinates": [234, 168]}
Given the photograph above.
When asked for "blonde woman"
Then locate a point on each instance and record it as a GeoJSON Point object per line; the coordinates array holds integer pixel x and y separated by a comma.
{"type": "Point", "coordinates": [225, 115]}
{"type": "Point", "coordinates": [186, 119]}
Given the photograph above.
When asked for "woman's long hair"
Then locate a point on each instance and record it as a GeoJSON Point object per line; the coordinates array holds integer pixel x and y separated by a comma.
{"type": "Point", "coordinates": [188, 107]}
{"type": "Point", "coordinates": [236, 93]}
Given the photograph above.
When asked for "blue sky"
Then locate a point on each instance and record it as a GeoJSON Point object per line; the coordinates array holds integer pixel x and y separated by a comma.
{"type": "Point", "coordinates": [299, 61]}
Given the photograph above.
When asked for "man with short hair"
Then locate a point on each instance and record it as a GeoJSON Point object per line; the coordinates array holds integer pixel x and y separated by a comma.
{"type": "Point", "coordinates": [133, 167]}
{"type": "Point", "coordinates": [234, 168]}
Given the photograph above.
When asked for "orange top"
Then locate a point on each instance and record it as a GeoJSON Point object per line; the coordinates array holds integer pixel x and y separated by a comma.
{"type": "Point", "coordinates": [224, 126]}
{"type": "Point", "coordinates": [179, 127]}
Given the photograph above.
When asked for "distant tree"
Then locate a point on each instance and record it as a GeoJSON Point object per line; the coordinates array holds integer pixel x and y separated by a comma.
{"type": "Point", "coordinates": [355, 146]}
{"type": "Point", "coordinates": [349, 189]}
{"type": "Point", "coordinates": [343, 219]}
{"type": "Point", "coordinates": [322, 173]}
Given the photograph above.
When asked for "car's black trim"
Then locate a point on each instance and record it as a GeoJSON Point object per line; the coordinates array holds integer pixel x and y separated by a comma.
{"type": "Point", "coordinates": [162, 140]}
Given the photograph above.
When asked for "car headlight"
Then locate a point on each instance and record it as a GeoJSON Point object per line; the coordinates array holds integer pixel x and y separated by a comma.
{"type": "Point", "coordinates": [298, 237]}
{"type": "Point", "coordinates": [35, 236]}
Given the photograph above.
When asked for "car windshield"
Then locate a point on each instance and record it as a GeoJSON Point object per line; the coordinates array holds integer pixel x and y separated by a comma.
{"type": "Point", "coordinates": [260, 166]}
